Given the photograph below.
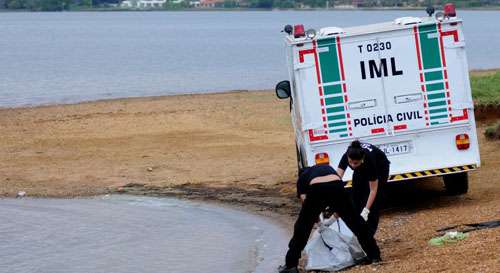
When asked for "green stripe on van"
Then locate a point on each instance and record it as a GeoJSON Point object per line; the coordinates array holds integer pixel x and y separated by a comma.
{"type": "Point", "coordinates": [338, 130]}
{"type": "Point", "coordinates": [328, 60]}
{"type": "Point", "coordinates": [436, 96]}
{"type": "Point", "coordinates": [438, 110]}
{"type": "Point", "coordinates": [433, 76]}
{"type": "Point", "coordinates": [437, 122]}
{"type": "Point", "coordinates": [437, 103]}
{"type": "Point", "coordinates": [335, 109]}
{"type": "Point", "coordinates": [337, 124]}
{"type": "Point", "coordinates": [439, 117]}
{"type": "Point", "coordinates": [434, 86]}
{"type": "Point", "coordinates": [429, 45]}
{"type": "Point", "coordinates": [334, 100]}
{"type": "Point", "coordinates": [335, 117]}
{"type": "Point", "coordinates": [333, 89]}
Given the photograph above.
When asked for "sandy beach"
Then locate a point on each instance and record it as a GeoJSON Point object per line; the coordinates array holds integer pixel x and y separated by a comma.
{"type": "Point", "coordinates": [236, 148]}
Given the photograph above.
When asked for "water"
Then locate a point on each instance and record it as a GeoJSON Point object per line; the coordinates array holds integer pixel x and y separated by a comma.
{"type": "Point", "coordinates": [134, 234]}
{"type": "Point", "coordinates": [77, 56]}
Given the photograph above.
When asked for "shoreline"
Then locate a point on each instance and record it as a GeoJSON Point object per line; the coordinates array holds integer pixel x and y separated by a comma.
{"type": "Point", "coordinates": [481, 111]}
{"type": "Point", "coordinates": [477, 72]}
{"type": "Point", "coordinates": [110, 100]}
{"type": "Point", "coordinates": [264, 201]}
{"type": "Point", "coordinates": [117, 9]}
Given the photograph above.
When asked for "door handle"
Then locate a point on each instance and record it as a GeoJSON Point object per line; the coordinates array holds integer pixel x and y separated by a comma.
{"type": "Point", "coordinates": [362, 104]}
{"type": "Point", "coordinates": [407, 98]}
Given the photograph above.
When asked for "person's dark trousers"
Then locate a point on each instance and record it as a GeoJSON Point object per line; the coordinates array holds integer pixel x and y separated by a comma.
{"type": "Point", "coordinates": [319, 197]}
{"type": "Point", "coordinates": [361, 196]}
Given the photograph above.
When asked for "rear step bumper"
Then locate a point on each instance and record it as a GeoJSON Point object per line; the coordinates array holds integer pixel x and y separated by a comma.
{"type": "Point", "coordinates": [426, 173]}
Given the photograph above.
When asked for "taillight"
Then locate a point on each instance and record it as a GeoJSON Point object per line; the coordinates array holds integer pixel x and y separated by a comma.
{"type": "Point", "coordinates": [449, 10]}
{"type": "Point", "coordinates": [298, 31]}
{"type": "Point", "coordinates": [462, 141]}
{"type": "Point", "coordinates": [322, 158]}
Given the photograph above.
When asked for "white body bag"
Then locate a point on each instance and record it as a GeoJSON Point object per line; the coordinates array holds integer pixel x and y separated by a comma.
{"type": "Point", "coordinates": [332, 247]}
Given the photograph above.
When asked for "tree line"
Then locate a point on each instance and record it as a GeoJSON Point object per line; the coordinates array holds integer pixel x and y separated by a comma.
{"type": "Point", "coordinates": [368, 3]}
{"type": "Point", "coordinates": [54, 5]}
{"type": "Point", "coordinates": [60, 5]}
{"type": "Point", "coordinates": [291, 4]}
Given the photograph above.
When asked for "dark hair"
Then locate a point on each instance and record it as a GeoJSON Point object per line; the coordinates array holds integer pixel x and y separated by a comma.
{"type": "Point", "coordinates": [355, 151]}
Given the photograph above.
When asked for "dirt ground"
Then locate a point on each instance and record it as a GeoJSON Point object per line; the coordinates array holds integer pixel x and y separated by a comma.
{"type": "Point", "coordinates": [235, 148]}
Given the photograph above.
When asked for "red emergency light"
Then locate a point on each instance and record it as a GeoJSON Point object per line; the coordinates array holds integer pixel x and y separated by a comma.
{"type": "Point", "coordinates": [449, 10]}
{"type": "Point", "coordinates": [298, 31]}
{"type": "Point", "coordinates": [322, 158]}
{"type": "Point", "coordinates": [462, 141]}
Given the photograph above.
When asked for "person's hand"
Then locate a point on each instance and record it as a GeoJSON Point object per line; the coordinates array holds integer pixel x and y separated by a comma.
{"type": "Point", "coordinates": [325, 223]}
{"type": "Point", "coordinates": [302, 198]}
{"type": "Point", "coordinates": [328, 221]}
{"type": "Point", "coordinates": [327, 214]}
{"type": "Point", "coordinates": [364, 214]}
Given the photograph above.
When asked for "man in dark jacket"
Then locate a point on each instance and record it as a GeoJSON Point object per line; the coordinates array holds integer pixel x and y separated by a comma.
{"type": "Point", "coordinates": [320, 189]}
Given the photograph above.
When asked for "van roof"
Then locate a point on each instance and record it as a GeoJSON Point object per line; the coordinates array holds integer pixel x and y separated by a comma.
{"type": "Point", "coordinates": [375, 28]}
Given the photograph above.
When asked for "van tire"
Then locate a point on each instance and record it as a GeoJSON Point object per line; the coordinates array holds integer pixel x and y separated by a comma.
{"type": "Point", "coordinates": [456, 183]}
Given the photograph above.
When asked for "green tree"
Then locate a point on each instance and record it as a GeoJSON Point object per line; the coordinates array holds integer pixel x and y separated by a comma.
{"type": "Point", "coordinates": [86, 3]}
{"type": "Point", "coordinates": [230, 4]}
{"type": "Point", "coordinates": [54, 5]}
{"type": "Point", "coordinates": [262, 4]}
{"type": "Point", "coordinates": [284, 4]}
{"type": "Point", "coordinates": [170, 5]}
{"type": "Point", "coordinates": [15, 4]}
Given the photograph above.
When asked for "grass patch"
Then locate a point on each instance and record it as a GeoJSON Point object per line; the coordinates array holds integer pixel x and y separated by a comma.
{"type": "Point", "coordinates": [493, 131]}
{"type": "Point", "coordinates": [486, 87]}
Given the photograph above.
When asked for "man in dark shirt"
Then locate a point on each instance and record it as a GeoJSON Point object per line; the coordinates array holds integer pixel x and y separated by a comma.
{"type": "Point", "coordinates": [320, 189]}
{"type": "Point", "coordinates": [370, 173]}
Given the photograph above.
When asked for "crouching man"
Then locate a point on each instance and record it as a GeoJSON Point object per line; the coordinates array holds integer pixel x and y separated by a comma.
{"type": "Point", "coordinates": [320, 187]}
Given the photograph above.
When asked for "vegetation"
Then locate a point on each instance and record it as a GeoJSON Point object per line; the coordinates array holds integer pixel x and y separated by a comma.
{"type": "Point", "coordinates": [171, 5]}
{"type": "Point", "coordinates": [439, 3]}
{"type": "Point", "coordinates": [486, 93]}
{"type": "Point", "coordinates": [493, 131]}
{"type": "Point", "coordinates": [58, 5]}
{"type": "Point", "coordinates": [486, 87]}
{"type": "Point", "coordinates": [286, 4]}
{"type": "Point", "coordinates": [54, 5]}
{"type": "Point", "coordinates": [39, 5]}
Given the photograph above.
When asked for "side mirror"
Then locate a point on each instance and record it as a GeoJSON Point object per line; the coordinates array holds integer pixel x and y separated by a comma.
{"type": "Point", "coordinates": [283, 89]}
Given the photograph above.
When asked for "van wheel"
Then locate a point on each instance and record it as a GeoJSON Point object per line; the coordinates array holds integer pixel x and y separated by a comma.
{"type": "Point", "coordinates": [300, 162]}
{"type": "Point", "coordinates": [456, 183]}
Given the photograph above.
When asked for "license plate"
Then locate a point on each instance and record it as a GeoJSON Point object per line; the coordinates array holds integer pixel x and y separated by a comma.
{"type": "Point", "coordinates": [396, 148]}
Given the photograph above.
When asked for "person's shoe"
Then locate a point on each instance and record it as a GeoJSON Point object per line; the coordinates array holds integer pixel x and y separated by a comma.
{"type": "Point", "coordinates": [367, 261]}
{"type": "Point", "coordinates": [364, 261]}
{"type": "Point", "coordinates": [284, 269]}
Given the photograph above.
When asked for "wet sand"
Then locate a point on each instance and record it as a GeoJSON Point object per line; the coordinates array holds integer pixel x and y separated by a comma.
{"type": "Point", "coordinates": [236, 148]}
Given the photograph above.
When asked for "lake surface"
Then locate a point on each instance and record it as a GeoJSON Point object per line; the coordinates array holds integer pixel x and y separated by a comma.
{"type": "Point", "coordinates": [76, 56]}
{"type": "Point", "coordinates": [134, 234]}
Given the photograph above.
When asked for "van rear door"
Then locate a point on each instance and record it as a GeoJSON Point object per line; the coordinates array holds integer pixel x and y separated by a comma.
{"type": "Point", "coordinates": [364, 71]}
{"type": "Point", "coordinates": [424, 96]}
{"type": "Point", "coordinates": [405, 88]}
{"type": "Point", "coordinates": [339, 101]}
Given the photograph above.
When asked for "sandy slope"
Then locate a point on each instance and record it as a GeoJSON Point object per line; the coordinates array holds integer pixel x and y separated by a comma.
{"type": "Point", "coordinates": [221, 139]}
{"type": "Point", "coordinates": [236, 148]}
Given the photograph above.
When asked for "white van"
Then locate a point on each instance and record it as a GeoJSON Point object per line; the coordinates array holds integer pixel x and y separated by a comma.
{"type": "Point", "coordinates": [401, 85]}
